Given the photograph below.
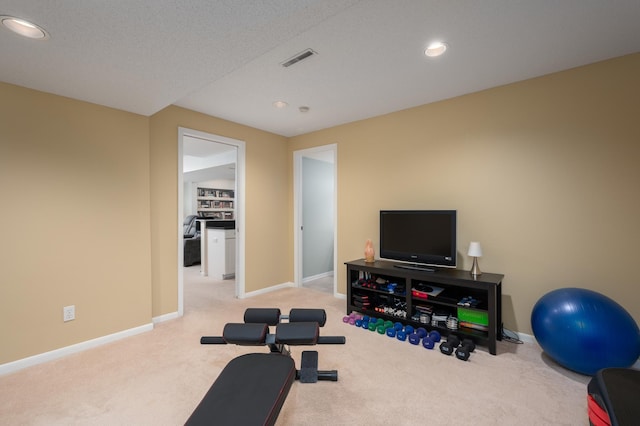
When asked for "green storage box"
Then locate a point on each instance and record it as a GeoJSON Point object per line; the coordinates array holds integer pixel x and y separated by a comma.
{"type": "Point", "coordinates": [473, 316]}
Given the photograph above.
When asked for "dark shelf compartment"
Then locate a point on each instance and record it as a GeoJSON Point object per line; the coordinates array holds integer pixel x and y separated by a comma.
{"type": "Point", "coordinates": [449, 303]}
{"type": "Point", "coordinates": [373, 290]}
{"type": "Point", "coordinates": [372, 313]}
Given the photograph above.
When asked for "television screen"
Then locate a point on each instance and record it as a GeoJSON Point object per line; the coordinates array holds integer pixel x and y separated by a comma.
{"type": "Point", "coordinates": [419, 236]}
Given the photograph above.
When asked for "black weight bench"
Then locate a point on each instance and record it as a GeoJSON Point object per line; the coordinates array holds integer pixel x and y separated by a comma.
{"type": "Point", "coordinates": [613, 397]}
{"type": "Point", "coordinates": [252, 388]}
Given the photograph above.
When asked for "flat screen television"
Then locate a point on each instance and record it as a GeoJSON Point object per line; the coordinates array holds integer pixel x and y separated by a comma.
{"type": "Point", "coordinates": [422, 237]}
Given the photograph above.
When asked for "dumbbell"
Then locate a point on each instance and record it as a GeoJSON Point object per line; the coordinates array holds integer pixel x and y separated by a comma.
{"type": "Point", "coordinates": [380, 327]}
{"type": "Point", "coordinates": [414, 338]}
{"type": "Point", "coordinates": [428, 343]}
{"type": "Point", "coordinates": [464, 351]}
{"type": "Point", "coordinates": [430, 339]}
{"type": "Point", "coordinates": [351, 318]}
{"type": "Point", "coordinates": [450, 345]}
{"type": "Point", "coordinates": [417, 335]}
{"type": "Point", "coordinates": [401, 335]}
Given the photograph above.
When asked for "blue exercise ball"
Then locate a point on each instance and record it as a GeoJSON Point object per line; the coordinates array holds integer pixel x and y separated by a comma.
{"type": "Point", "coordinates": [585, 331]}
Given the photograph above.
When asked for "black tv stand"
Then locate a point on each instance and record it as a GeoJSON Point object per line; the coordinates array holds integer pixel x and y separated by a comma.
{"type": "Point", "coordinates": [410, 299]}
{"type": "Point", "coordinates": [414, 267]}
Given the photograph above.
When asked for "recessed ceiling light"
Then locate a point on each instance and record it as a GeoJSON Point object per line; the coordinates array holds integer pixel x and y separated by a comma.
{"type": "Point", "coordinates": [24, 28]}
{"type": "Point", "coordinates": [280, 104]}
{"type": "Point", "coordinates": [436, 49]}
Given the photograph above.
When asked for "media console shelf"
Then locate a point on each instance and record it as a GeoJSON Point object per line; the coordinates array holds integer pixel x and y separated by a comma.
{"type": "Point", "coordinates": [428, 299]}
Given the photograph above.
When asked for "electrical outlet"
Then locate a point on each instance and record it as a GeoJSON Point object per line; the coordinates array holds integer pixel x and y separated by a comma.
{"type": "Point", "coordinates": [69, 313]}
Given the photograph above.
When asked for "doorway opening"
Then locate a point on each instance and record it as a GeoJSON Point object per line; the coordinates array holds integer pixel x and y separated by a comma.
{"type": "Point", "coordinates": [315, 218]}
{"type": "Point", "coordinates": [215, 159]}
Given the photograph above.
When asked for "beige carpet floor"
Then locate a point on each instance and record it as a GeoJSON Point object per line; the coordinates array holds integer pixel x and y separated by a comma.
{"type": "Point", "coordinates": [158, 377]}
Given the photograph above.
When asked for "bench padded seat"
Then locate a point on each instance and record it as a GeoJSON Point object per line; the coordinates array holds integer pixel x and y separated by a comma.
{"type": "Point", "coordinates": [250, 390]}
{"type": "Point", "coordinates": [613, 397]}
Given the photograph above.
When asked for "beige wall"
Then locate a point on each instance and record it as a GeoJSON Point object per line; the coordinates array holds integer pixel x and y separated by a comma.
{"type": "Point", "coordinates": [544, 173]}
{"type": "Point", "coordinates": [267, 218]}
{"type": "Point", "coordinates": [89, 214]}
{"type": "Point", "coordinates": [74, 191]}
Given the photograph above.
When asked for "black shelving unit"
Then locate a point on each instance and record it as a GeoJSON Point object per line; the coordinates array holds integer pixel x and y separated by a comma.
{"type": "Point", "coordinates": [399, 303]}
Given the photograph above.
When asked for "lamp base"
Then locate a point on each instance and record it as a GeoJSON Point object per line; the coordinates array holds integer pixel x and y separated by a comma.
{"type": "Point", "coordinates": [475, 269]}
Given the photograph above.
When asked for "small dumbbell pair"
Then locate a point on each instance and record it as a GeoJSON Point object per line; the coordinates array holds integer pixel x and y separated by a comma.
{"type": "Point", "coordinates": [429, 341]}
{"type": "Point", "coordinates": [468, 301]}
{"type": "Point", "coordinates": [351, 318]}
{"type": "Point", "coordinates": [462, 350]}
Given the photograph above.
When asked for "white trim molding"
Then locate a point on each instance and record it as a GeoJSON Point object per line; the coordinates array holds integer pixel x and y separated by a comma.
{"type": "Point", "coordinates": [267, 290]}
{"type": "Point", "coordinates": [165, 317]}
{"type": "Point", "coordinates": [318, 276]}
{"type": "Point", "coordinates": [12, 367]}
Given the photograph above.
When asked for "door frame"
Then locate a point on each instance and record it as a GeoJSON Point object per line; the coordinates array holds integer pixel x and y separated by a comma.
{"type": "Point", "coordinates": [239, 209]}
{"type": "Point", "coordinates": [297, 211]}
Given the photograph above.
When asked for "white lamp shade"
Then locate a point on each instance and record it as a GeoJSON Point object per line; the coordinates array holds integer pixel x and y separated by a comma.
{"type": "Point", "coordinates": [474, 249]}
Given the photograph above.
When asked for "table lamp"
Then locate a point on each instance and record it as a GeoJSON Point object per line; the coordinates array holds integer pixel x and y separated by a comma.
{"type": "Point", "coordinates": [475, 251]}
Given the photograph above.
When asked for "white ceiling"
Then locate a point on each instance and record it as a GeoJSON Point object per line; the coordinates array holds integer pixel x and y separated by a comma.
{"type": "Point", "coordinates": [223, 57]}
{"type": "Point", "coordinates": [199, 148]}
{"type": "Point", "coordinates": [218, 159]}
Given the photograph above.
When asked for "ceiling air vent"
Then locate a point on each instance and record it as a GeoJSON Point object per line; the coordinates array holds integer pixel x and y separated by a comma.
{"type": "Point", "coordinates": [299, 57]}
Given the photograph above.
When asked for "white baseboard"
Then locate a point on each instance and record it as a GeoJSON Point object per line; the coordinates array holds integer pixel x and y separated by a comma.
{"type": "Point", "coordinates": [267, 290]}
{"type": "Point", "coordinates": [20, 364]}
{"type": "Point", "coordinates": [318, 276]}
{"type": "Point", "coordinates": [165, 317]}
{"type": "Point", "coordinates": [526, 338]}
